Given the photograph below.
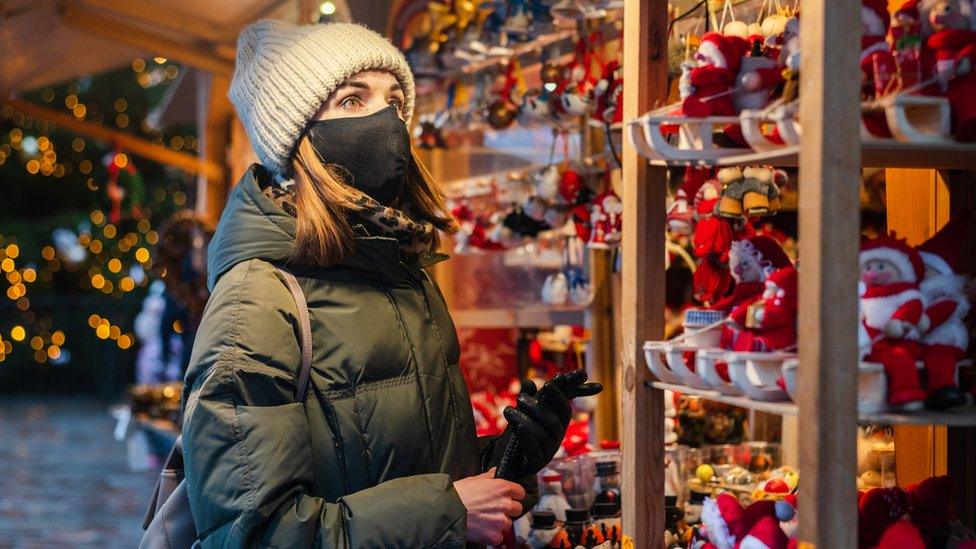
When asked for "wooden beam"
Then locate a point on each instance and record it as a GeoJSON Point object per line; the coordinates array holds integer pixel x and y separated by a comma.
{"type": "Point", "coordinates": [92, 22]}
{"type": "Point", "coordinates": [644, 191]}
{"type": "Point", "coordinates": [154, 13]}
{"type": "Point", "coordinates": [129, 143]}
{"type": "Point", "coordinates": [600, 355]}
{"type": "Point", "coordinates": [829, 219]}
{"type": "Point", "coordinates": [214, 116]}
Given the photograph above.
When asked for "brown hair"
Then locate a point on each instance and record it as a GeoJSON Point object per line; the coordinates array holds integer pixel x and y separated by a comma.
{"type": "Point", "coordinates": [323, 234]}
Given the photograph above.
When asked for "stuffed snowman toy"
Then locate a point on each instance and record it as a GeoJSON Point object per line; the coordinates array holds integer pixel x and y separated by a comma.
{"type": "Point", "coordinates": [893, 314]}
{"type": "Point", "coordinates": [947, 338]}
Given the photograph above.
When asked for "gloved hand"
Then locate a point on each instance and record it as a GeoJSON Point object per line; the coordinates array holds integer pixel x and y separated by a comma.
{"type": "Point", "coordinates": [537, 424]}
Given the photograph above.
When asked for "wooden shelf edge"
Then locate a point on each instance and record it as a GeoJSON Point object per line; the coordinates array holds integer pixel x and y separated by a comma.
{"type": "Point", "coordinates": [783, 408]}
{"type": "Point", "coordinates": [874, 154]}
{"type": "Point", "coordinates": [959, 418]}
{"type": "Point", "coordinates": [518, 317]}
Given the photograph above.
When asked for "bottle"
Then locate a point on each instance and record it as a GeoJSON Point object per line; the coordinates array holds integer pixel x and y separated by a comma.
{"type": "Point", "coordinates": [575, 525]}
{"type": "Point", "coordinates": [607, 482]}
{"type": "Point", "coordinates": [543, 530]}
{"type": "Point", "coordinates": [551, 497]}
{"type": "Point", "coordinates": [606, 520]}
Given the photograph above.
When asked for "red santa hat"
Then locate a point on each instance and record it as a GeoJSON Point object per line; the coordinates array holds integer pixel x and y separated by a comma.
{"type": "Point", "coordinates": [909, 8]}
{"type": "Point", "coordinates": [898, 252]}
{"type": "Point", "coordinates": [766, 534]}
{"type": "Point", "coordinates": [722, 517]}
{"type": "Point", "coordinates": [784, 283]}
{"type": "Point", "coordinates": [768, 253]}
{"type": "Point", "coordinates": [728, 49]}
{"type": "Point", "coordinates": [941, 252]}
{"type": "Point", "coordinates": [875, 15]}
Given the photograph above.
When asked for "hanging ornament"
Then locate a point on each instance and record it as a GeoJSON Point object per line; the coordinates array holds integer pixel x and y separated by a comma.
{"type": "Point", "coordinates": [502, 112]}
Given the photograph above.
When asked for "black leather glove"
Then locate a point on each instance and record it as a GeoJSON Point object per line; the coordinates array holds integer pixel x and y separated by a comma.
{"type": "Point", "coordinates": [537, 424]}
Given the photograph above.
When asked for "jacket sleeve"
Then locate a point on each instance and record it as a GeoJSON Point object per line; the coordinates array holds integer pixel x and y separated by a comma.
{"type": "Point", "coordinates": [249, 464]}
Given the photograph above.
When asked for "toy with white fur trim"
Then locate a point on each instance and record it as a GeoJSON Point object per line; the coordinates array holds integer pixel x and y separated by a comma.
{"type": "Point", "coordinates": [947, 339]}
{"type": "Point", "coordinates": [730, 526]}
{"type": "Point", "coordinates": [893, 314]}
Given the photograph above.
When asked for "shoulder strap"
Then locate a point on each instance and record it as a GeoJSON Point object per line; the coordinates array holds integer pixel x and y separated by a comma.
{"type": "Point", "coordinates": [305, 337]}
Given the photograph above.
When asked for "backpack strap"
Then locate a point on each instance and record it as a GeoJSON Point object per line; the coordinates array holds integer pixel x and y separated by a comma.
{"type": "Point", "coordinates": [305, 335]}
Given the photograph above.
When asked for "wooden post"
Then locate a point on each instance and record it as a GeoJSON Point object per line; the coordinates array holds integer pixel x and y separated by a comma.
{"type": "Point", "coordinates": [600, 355]}
{"type": "Point", "coordinates": [214, 116]}
{"type": "Point", "coordinates": [829, 230]}
{"type": "Point", "coordinates": [644, 190]}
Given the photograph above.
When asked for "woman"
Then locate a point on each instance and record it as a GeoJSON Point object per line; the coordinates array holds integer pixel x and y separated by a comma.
{"type": "Point", "coordinates": [381, 451]}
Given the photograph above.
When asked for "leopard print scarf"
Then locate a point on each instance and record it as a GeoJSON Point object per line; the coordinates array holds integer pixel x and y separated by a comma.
{"type": "Point", "coordinates": [414, 237]}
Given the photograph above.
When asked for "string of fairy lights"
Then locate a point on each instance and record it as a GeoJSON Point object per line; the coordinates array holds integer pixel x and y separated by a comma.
{"type": "Point", "coordinates": [106, 257]}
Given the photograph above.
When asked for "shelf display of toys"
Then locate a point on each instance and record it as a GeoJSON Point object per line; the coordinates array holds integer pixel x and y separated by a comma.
{"type": "Point", "coordinates": [579, 503]}
{"type": "Point", "coordinates": [913, 336]}
{"type": "Point", "coordinates": [738, 82]}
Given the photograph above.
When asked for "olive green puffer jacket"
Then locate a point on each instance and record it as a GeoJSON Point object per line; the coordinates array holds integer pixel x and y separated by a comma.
{"type": "Point", "coordinates": [368, 459]}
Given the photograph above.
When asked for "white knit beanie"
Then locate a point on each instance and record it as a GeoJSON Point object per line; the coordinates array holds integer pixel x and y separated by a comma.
{"type": "Point", "coordinates": [285, 72]}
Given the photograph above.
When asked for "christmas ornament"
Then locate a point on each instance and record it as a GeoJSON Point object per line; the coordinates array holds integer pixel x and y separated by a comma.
{"type": "Point", "coordinates": [605, 219]}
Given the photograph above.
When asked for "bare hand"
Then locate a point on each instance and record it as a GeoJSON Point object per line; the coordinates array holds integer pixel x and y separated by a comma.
{"type": "Point", "coordinates": [491, 505]}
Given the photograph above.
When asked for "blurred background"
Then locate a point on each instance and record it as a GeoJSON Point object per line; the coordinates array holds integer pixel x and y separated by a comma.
{"type": "Point", "coordinates": [118, 146]}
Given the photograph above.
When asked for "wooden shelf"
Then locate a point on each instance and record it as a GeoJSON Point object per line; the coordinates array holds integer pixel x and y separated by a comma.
{"type": "Point", "coordinates": [959, 418]}
{"type": "Point", "coordinates": [874, 154]}
{"type": "Point", "coordinates": [783, 408]}
{"type": "Point", "coordinates": [532, 316]}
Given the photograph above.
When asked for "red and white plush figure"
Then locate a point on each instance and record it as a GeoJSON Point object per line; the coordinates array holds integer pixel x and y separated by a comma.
{"type": "Point", "coordinates": [758, 76]}
{"type": "Point", "coordinates": [605, 216]}
{"type": "Point", "coordinates": [712, 243]}
{"type": "Point", "coordinates": [947, 339]}
{"type": "Point", "coordinates": [680, 219]}
{"type": "Point", "coordinates": [893, 314]}
{"type": "Point", "coordinates": [905, 29]}
{"type": "Point", "coordinates": [953, 42]}
{"type": "Point", "coordinates": [751, 262]}
{"type": "Point", "coordinates": [607, 94]}
{"type": "Point", "coordinates": [770, 322]}
{"type": "Point", "coordinates": [877, 63]}
{"type": "Point", "coordinates": [730, 526]}
{"type": "Point", "coordinates": [706, 87]}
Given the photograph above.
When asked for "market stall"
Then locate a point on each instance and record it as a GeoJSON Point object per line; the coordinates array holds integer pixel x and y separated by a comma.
{"type": "Point", "coordinates": [807, 370]}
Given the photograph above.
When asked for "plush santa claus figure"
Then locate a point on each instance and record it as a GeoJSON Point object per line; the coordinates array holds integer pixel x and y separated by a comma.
{"type": "Point", "coordinates": [730, 526]}
{"type": "Point", "coordinates": [706, 87]}
{"type": "Point", "coordinates": [877, 64]}
{"type": "Point", "coordinates": [770, 323]}
{"type": "Point", "coordinates": [893, 314]}
{"type": "Point", "coordinates": [954, 45]}
{"type": "Point", "coordinates": [712, 242]}
{"type": "Point", "coordinates": [906, 30]}
{"type": "Point", "coordinates": [751, 262]}
{"type": "Point", "coordinates": [680, 218]}
{"type": "Point", "coordinates": [878, 68]}
{"type": "Point", "coordinates": [947, 338]}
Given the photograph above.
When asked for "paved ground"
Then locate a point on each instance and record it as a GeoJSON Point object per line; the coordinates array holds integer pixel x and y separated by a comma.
{"type": "Point", "coordinates": [63, 478]}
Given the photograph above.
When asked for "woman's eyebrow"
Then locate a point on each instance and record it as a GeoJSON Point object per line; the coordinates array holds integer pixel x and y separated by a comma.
{"type": "Point", "coordinates": [396, 87]}
{"type": "Point", "coordinates": [358, 84]}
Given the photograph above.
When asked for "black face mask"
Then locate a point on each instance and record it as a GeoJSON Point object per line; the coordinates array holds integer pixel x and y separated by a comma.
{"type": "Point", "coordinates": [373, 149]}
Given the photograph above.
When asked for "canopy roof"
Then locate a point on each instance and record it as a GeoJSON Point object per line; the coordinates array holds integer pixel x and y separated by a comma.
{"type": "Point", "coordinates": [47, 42]}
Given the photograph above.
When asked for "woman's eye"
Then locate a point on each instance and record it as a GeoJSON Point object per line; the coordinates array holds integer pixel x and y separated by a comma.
{"type": "Point", "coordinates": [351, 102]}
{"type": "Point", "coordinates": [397, 103]}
